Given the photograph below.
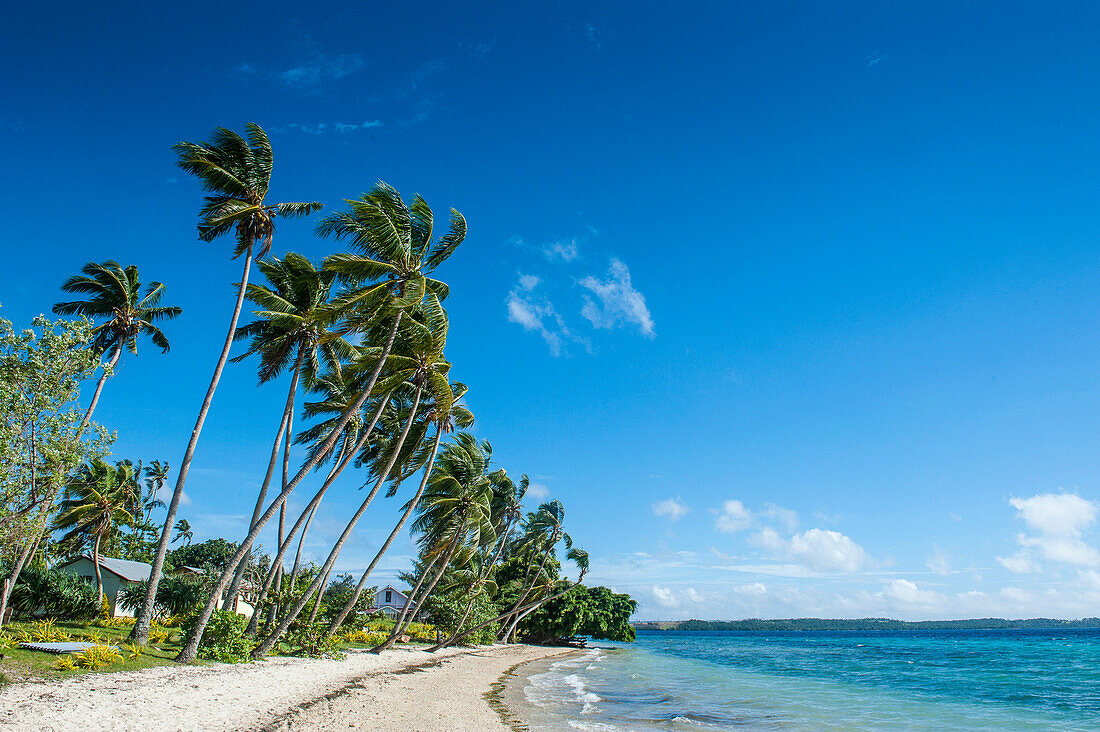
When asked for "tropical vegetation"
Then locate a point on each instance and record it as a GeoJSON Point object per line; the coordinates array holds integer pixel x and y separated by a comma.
{"type": "Point", "coordinates": [357, 343]}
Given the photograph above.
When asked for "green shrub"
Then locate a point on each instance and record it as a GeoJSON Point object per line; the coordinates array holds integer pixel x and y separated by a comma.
{"type": "Point", "coordinates": [58, 595]}
{"type": "Point", "coordinates": [176, 595]}
{"type": "Point", "coordinates": [447, 610]}
{"type": "Point", "coordinates": [311, 640]}
{"type": "Point", "coordinates": [224, 639]}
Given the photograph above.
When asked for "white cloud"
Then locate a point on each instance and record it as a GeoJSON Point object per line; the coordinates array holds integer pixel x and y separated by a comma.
{"type": "Point", "coordinates": [535, 312]}
{"type": "Point", "coordinates": [664, 596]}
{"type": "Point", "coordinates": [1020, 563]}
{"type": "Point", "coordinates": [1060, 520]}
{"type": "Point", "coordinates": [939, 562]}
{"type": "Point", "coordinates": [566, 250]}
{"type": "Point", "coordinates": [785, 516]}
{"type": "Point", "coordinates": [673, 508]}
{"type": "Point", "coordinates": [693, 595]}
{"type": "Point", "coordinates": [538, 491]}
{"type": "Point", "coordinates": [733, 518]}
{"type": "Point", "coordinates": [908, 594]}
{"type": "Point", "coordinates": [617, 302]}
{"type": "Point", "coordinates": [755, 588]}
{"type": "Point", "coordinates": [818, 549]}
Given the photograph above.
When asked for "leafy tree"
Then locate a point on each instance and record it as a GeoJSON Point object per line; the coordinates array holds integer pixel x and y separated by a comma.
{"type": "Point", "coordinates": [54, 594]}
{"type": "Point", "coordinates": [97, 501]}
{"type": "Point", "coordinates": [596, 612]}
{"type": "Point", "coordinates": [116, 302]}
{"type": "Point", "coordinates": [236, 172]}
{"type": "Point", "coordinates": [41, 438]}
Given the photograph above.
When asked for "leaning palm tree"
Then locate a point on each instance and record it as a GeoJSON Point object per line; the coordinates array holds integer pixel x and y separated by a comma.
{"type": "Point", "coordinates": [290, 331]}
{"type": "Point", "coordinates": [97, 501]}
{"type": "Point", "coordinates": [445, 417]}
{"type": "Point", "coordinates": [543, 531]}
{"type": "Point", "coordinates": [183, 531]}
{"type": "Point", "coordinates": [155, 475]}
{"type": "Point", "coordinates": [424, 369]}
{"type": "Point", "coordinates": [236, 172]}
{"type": "Point", "coordinates": [507, 510]}
{"type": "Point", "coordinates": [123, 314]}
{"type": "Point", "coordinates": [456, 511]}
{"type": "Point", "coordinates": [386, 279]}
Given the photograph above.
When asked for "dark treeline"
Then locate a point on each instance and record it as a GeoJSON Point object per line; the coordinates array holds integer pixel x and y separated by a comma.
{"type": "Point", "coordinates": [808, 624]}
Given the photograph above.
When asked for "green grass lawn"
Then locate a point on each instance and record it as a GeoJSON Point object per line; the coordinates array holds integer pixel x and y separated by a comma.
{"type": "Point", "coordinates": [20, 664]}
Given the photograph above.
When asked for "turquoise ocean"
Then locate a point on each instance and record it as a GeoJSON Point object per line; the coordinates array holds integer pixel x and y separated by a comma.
{"type": "Point", "coordinates": [903, 680]}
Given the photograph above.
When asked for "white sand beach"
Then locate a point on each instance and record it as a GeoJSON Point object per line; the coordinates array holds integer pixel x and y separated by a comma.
{"type": "Point", "coordinates": [406, 689]}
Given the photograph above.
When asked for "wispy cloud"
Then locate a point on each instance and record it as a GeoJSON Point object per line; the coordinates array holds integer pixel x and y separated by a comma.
{"type": "Point", "coordinates": [565, 250]}
{"type": "Point", "coordinates": [535, 312]}
{"type": "Point", "coordinates": [537, 491]}
{"type": "Point", "coordinates": [615, 301]}
{"type": "Point", "coordinates": [592, 34]}
{"type": "Point", "coordinates": [321, 128]}
{"type": "Point", "coordinates": [478, 49]}
{"type": "Point", "coordinates": [310, 74]}
{"type": "Point", "coordinates": [875, 59]}
{"type": "Point", "coordinates": [672, 508]}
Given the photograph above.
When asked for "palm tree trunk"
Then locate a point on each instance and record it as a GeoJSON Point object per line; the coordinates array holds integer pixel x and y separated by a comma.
{"type": "Point", "coordinates": [99, 388]}
{"type": "Point", "coordinates": [337, 468]}
{"type": "Point", "coordinates": [98, 574]}
{"type": "Point", "coordinates": [525, 591]}
{"type": "Point", "coordinates": [261, 650]}
{"type": "Point", "coordinates": [405, 619]}
{"type": "Point", "coordinates": [140, 632]}
{"type": "Point", "coordinates": [281, 438]}
{"type": "Point", "coordinates": [388, 643]}
{"type": "Point", "coordinates": [484, 575]}
{"type": "Point", "coordinates": [282, 509]}
{"type": "Point", "coordinates": [191, 647]}
{"type": "Point", "coordinates": [335, 624]}
{"type": "Point", "coordinates": [320, 594]}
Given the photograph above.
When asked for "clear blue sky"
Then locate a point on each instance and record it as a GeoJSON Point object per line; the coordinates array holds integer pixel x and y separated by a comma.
{"type": "Point", "coordinates": [794, 305]}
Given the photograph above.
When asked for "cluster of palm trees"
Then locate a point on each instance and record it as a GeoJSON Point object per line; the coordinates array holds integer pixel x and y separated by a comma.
{"type": "Point", "coordinates": [363, 335]}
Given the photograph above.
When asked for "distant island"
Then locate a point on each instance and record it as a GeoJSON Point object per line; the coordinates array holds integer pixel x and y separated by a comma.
{"type": "Point", "coordinates": [811, 624]}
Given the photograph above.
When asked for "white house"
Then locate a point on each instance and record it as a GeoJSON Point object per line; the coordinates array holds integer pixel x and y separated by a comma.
{"type": "Point", "coordinates": [117, 573]}
{"type": "Point", "coordinates": [390, 601]}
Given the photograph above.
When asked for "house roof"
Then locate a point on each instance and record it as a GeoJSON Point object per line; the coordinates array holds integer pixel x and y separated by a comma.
{"type": "Point", "coordinates": [127, 570]}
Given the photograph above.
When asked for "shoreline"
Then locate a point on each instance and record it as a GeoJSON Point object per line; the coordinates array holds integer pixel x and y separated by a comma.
{"type": "Point", "coordinates": [452, 689]}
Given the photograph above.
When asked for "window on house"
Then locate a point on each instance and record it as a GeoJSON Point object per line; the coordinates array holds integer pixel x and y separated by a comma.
{"type": "Point", "coordinates": [389, 596]}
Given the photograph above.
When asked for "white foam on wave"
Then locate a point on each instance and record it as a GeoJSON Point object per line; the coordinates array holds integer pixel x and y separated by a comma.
{"type": "Point", "coordinates": [561, 684]}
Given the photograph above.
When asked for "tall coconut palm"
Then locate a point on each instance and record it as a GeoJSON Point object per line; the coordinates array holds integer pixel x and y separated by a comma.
{"type": "Point", "coordinates": [387, 277]}
{"type": "Point", "coordinates": [456, 510]}
{"type": "Point", "coordinates": [236, 172]}
{"type": "Point", "coordinates": [445, 417]}
{"type": "Point", "coordinates": [385, 280]}
{"type": "Point", "coordinates": [421, 364]}
{"type": "Point", "coordinates": [337, 390]}
{"type": "Point", "coordinates": [121, 312]}
{"type": "Point", "coordinates": [183, 531]}
{"type": "Point", "coordinates": [507, 510]}
{"type": "Point", "coordinates": [156, 473]}
{"type": "Point", "coordinates": [543, 531]}
{"type": "Point", "coordinates": [97, 500]}
{"type": "Point", "coordinates": [290, 328]}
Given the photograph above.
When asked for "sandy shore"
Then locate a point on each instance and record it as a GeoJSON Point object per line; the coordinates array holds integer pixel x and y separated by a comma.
{"type": "Point", "coordinates": [400, 689]}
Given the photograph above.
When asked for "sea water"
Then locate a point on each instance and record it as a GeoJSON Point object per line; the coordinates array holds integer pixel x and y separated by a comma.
{"type": "Point", "coordinates": [891, 680]}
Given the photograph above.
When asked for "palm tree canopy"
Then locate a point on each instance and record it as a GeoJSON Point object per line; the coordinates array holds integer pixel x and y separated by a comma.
{"type": "Point", "coordinates": [97, 500]}
{"type": "Point", "coordinates": [236, 171]}
{"type": "Point", "coordinates": [116, 304]}
{"type": "Point", "coordinates": [396, 251]}
{"type": "Point", "coordinates": [292, 316]}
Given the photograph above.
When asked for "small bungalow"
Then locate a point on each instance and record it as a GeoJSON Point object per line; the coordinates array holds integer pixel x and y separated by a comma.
{"type": "Point", "coordinates": [389, 601]}
{"type": "Point", "coordinates": [117, 573]}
